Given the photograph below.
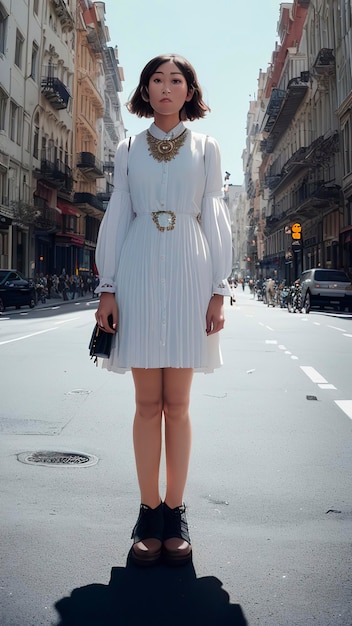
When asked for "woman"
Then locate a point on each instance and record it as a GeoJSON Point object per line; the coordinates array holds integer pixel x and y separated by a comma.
{"type": "Point", "coordinates": [163, 254]}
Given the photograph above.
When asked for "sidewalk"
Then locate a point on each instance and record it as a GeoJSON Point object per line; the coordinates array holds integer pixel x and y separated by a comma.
{"type": "Point", "coordinates": [57, 300]}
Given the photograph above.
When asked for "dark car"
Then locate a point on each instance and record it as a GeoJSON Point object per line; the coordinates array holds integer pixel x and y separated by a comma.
{"type": "Point", "coordinates": [326, 287]}
{"type": "Point", "coordinates": [15, 290]}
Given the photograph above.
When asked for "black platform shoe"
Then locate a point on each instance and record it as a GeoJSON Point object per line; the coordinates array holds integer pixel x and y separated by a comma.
{"type": "Point", "coordinates": [147, 535]}
{"type": "Point", "coordinates": [177, 544]}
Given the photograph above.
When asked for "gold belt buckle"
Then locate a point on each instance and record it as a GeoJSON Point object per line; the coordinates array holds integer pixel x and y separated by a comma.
{"type": "Point", "coordinates": [164, 220]}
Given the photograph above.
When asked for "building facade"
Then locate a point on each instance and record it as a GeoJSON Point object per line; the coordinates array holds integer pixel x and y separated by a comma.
{"type": "Point", "coordinates": [60, 123]}
{"type": "Point", "coordinates": [305, 142]}
{"type": "Point", "coordinates": [20, 43]}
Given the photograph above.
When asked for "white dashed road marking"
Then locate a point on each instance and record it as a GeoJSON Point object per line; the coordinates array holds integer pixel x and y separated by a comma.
{"type": "Point", "coordinates": [337, 328]}
{"type": "Point", "coordinates": [346, 406]}
{"type": "Point", "coordinates": [313, 374]}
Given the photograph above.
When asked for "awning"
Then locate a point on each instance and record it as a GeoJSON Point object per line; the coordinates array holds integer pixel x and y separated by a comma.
{"type": "Point", "coordinates": [346, 235]}
{"type": "Point", "coordinates": [69, 239]}
{"type": "Point", "coordinates": [66, 209]}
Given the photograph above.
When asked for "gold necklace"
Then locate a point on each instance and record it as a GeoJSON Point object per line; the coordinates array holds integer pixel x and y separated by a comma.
{"type": "Point", "coordinates": [165, 149]}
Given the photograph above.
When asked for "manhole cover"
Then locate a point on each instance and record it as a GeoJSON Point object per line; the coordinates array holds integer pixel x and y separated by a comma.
{"type": "Point", "coordinates": [54, 458]}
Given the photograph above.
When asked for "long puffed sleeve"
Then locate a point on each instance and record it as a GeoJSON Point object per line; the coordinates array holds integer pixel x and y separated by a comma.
{"type": "Point", "coordinates": [115, 224]}
{"type": "Point", "coordinates": [216, 221]}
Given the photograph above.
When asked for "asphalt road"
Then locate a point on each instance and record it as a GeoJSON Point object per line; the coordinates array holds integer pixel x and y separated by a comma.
{"type": "Point", "coordinates": [269, 494]}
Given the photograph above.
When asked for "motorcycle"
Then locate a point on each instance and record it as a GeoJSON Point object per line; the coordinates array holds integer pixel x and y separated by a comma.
{"type": "Point", "coordinates": [284, 295]}
{"type": "Point", "coordinates": [294, 301]}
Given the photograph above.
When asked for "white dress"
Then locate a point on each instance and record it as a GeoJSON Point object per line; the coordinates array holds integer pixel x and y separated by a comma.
{"type": "Point", "coordinates": [163, 280]}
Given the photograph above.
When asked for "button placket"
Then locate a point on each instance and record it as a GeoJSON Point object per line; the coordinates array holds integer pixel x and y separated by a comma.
{"type": "Point", "coordinates": [162, 264]}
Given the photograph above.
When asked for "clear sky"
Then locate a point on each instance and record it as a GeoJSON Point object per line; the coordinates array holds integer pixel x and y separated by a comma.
{"type": "Point", "coordinates": [227, 42]}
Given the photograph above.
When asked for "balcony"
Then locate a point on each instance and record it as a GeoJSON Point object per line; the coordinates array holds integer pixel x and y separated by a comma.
{"type": "Point", "coordinates": [94, 39]}
{"type": "Point", "coordinates": [89, 203]}
{"type": "Point", "coordinates": [290, 103]}
{"type": "Point", "coordinates": [275, 103]}
{"type": "Point", "coordinates": [320, 194]}
{"type": "Point", "coordinates": [46, 217]}
{"type": "Point", "coordinates": [104, 196]}
{"type": "Point", "coordinates": [324, 64]}
{"type": "Point", "coordinates": [64, 15]}
{"type": "Point", "coordinates": [53, 171]}
{"type": "Point", "coordinates": [55, 91]}
{"type": "Point", "coordinates": [312, 198]}
{"type": "Point", "coordinates": [322, 149]}
{"type": "Point", "coordinates": [272, 181]}
{"type": "Point", "coordinates": [90, 165]}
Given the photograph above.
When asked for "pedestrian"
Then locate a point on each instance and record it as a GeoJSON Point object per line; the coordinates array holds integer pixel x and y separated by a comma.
{"type": "Point", "coordinates": [163, 254]}
{"type": "Point", "coordinates": [270, 290]}
{"type": "Point", "coordinates": [49, 282]}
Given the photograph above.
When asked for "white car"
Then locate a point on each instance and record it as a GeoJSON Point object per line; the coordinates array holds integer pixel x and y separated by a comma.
{"type": "Point", "coordinates": [326, 287]}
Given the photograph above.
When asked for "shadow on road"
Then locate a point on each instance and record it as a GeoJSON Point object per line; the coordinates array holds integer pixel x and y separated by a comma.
{"type": "Point", "coordinates": [153, 596]}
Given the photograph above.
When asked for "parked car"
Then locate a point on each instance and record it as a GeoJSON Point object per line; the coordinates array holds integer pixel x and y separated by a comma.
{"type": "Point", "coordinates": [15, 290]}
{"type": "Point", "coordinates": [326, 287]}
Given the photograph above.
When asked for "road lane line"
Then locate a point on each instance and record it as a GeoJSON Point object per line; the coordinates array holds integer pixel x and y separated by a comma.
{"type": "Point", "coordinates": [313, 374]}
{"type": "Point", "coordinates": [40, 332]}
{"type": "Point", "coordinates": [271, 341]}
{"type": "Point", "coordinates": [326, 386]}
{"type": "Point", "coordinates": [347, 335]}
{"type": "Point", "coordinates": [346, 406]}
{"type": "Point", "coordinates": [72, 319]}
{"type": "Point", "coordinates": [337, 328]}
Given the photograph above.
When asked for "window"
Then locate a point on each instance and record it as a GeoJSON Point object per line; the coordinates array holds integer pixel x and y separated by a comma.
{"type": "Point", "coordinates": [3, 29]}
{"type": "Point", "coordinates": [3, 107]}
{"type": "Point", "coordinates": [36, 141]}
{"type": "Point", "coordinates": [34, 61]}
{"type": "Point", "coordinates": [20, 137]}
{"type": "Point", "coordinates": [36, 7]}
{"type": "Point", "coordinates": [18, 49]}
{"type": "Point", "coordinates": [13, 120]}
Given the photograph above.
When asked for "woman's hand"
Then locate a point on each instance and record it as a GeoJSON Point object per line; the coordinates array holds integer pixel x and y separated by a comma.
{"type": "Point", "coordinates": [215, 319]}
{"type": "Point", "coordinates": [107, 306]}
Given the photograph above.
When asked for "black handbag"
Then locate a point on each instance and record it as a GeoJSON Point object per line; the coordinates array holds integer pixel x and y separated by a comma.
{"type": "Point", "coordinates": [100, 343]}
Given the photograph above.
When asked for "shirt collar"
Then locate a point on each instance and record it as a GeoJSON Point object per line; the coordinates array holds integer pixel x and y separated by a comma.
{"type": "Point", "coordinates": [160, 134]}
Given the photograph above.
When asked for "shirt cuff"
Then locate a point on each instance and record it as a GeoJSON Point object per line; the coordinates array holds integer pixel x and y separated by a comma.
{"type": "Point", "coordinates": [105, 286]}
{"type": "Point", "coordinates": [222, 288]}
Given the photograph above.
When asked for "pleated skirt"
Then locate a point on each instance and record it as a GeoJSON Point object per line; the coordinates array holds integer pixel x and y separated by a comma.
{"type": "Point", "coordinates": [164, 284]}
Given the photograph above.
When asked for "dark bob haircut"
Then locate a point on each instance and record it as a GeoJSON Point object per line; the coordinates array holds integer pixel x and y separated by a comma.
{"type": "Point", "coordinates": [192, 110]}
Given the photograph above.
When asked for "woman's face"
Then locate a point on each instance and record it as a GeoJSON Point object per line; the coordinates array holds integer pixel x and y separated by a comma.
{"type": "Point", "coordinates": [168, 91]}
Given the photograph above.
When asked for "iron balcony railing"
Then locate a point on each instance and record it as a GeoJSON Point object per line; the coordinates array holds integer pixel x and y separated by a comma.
{"type": "Point", "coordinates": [54, 89]}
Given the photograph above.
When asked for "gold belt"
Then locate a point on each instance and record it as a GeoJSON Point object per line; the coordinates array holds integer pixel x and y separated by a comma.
{"type": "Point", "coordinates": [164, 220]}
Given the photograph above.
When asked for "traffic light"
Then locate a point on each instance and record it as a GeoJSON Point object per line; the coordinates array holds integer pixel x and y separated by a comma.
{"type": "Point", "coordinates": [296, 231]}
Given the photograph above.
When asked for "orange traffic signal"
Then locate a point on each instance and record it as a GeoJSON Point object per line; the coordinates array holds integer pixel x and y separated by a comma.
{"type": "Point", "coordinates": [296, 231]}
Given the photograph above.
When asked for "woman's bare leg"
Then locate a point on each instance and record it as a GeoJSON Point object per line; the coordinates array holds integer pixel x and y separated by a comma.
{"type": "Point", "coordinates": [176, 398]}
{"type": "Point", "coordinates": [147, 432]}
